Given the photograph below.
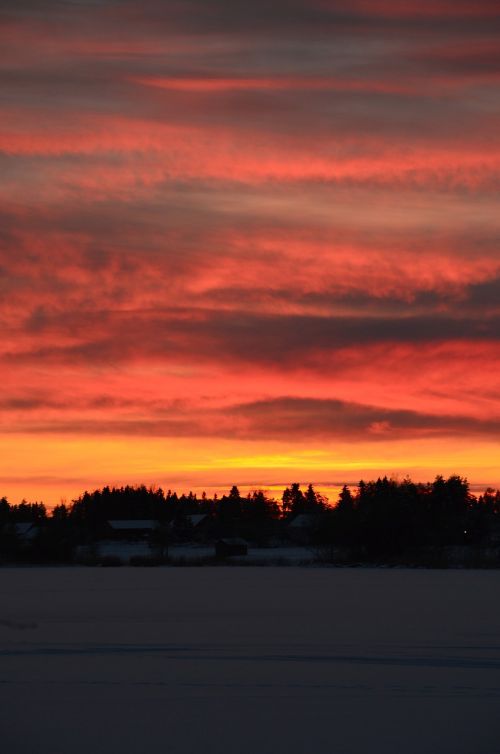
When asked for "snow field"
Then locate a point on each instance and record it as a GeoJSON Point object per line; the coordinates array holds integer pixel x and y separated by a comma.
{"type": "Point", "coordinates": [268, 660]}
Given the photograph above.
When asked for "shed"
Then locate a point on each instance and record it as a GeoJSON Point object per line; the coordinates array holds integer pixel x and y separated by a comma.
{"type": "Point", "coordinates": [229, 547]}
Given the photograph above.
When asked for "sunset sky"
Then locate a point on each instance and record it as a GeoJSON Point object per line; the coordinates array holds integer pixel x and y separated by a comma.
{"type": "Point", "coordinates": [248, 243]}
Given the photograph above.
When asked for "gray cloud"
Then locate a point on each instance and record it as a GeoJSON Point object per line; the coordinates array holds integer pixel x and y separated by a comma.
{"type": "Point", "coordinates": [291, 419]}
{"type": "Point", "coordinates": [198, 336]}
{"type": "Point", "coordinates": [304, 417]}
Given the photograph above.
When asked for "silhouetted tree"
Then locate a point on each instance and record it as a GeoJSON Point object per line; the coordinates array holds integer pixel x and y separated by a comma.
{"type": "Point", "coordinates": [292, 500]}
{"type": "Point", "coordinates": [229, 510]}
{"type": "Point", "coordinates": [28, 512]}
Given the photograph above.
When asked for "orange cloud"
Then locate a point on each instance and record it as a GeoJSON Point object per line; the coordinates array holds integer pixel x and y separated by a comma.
{"type": "Point", "coordinates": [278, 83]}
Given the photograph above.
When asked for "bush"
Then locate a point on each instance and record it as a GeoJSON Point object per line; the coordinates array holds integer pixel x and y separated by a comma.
{"type": "Point", "coordinates": [108, 561]}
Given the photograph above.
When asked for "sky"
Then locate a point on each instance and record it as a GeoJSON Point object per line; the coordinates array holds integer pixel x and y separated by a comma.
{"type": "Point", "coordinates": [248, 243]}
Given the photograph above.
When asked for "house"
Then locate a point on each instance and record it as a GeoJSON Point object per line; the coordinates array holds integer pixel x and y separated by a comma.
{"type": "Point", "coordinates": [17, 537]}
{"type": "Point", "coordinates": [197, 519]}
{"type": "Point", "coordinates": [201, 526]}
{"type": "Point", "coordinates": [302, 527]}
{"type": "Point", "coordinates": [124, 540]}
{"type": "Point", "coordinates": [229, 547]}
{"type": "Point", "coordinates": [493, 535]}
{"type": "Point", "coordinates": [26, 532]}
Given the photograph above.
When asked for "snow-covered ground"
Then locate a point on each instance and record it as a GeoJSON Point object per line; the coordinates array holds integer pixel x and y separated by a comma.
{"type": "Point", "coordinates": [259, 555]}
{"type": "Point", "coordinates": [249, 661]}
{"type": "Point", "coordinates": [196, 554]}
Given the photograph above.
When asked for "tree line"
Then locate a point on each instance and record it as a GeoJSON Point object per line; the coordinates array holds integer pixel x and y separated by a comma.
{"type": "Point", "coordinates": [379, 519]}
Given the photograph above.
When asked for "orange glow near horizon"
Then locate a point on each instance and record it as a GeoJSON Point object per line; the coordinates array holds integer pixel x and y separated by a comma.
{"type": "Point", "coordinates": [61, 469]}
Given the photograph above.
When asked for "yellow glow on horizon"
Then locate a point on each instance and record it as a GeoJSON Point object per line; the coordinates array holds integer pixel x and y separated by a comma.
{"type": "Point", "coordinates": [64, 466]}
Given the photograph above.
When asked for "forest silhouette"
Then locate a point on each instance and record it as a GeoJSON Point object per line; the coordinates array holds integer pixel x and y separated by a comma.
{"type": "Point", "coordinates": [385, 520]}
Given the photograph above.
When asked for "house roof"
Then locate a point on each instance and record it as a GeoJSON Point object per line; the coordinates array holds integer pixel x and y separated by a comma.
{"type": "Point", "coordinates": [196, 518]}
{"type": "Point", "coordinates": [233, 541]}
{"type": "Point", "coordinates": [26, 530]}
{"type": "Point", "coordinates": [128, 524]}
{"type": "Point", "coordinates": [304, 521]}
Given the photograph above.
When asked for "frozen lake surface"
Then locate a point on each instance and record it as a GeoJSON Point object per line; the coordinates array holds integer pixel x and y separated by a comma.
{"type": "Point", "coordinates": [249, 660]}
